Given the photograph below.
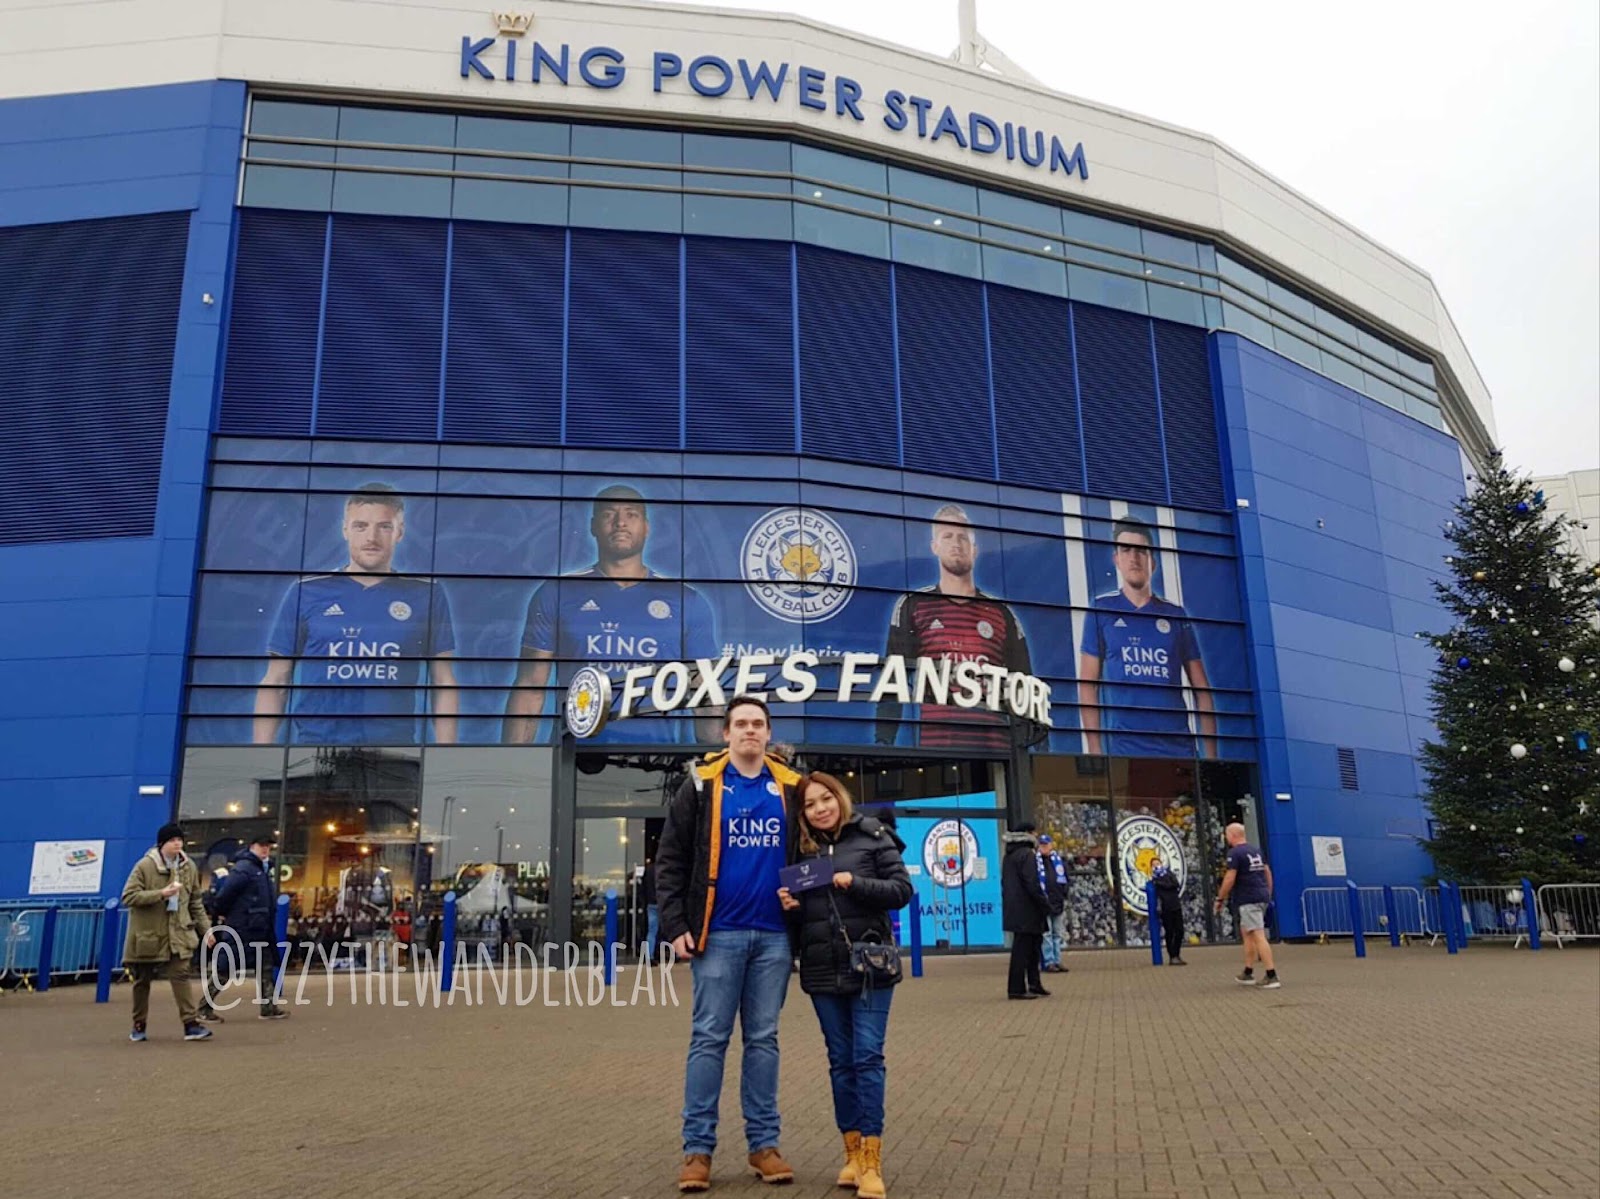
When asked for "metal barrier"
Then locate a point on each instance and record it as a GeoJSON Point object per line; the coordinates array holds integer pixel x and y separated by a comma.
{"type": "Point", "coordinates": [1326, 912]}
{"type": "Point", "coordinates": [1569, 911]}
{"type": "Point", "coordinates": [1495, 913]}
{"type": "Point", "coordinates": [40, 943]}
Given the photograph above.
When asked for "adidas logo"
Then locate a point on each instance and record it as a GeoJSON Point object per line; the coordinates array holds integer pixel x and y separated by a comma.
{"type": "Point", "coordinates": [333, 610]}
{"type": "Point", "coordinates": [589, 606]}
{"type": "Point", "coordinates": [936, 626]}
{"type": "Point", "coordinates": [1121, 624]}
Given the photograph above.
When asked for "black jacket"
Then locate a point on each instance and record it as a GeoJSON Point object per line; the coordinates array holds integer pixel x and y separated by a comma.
{"type": "Point", "coordinates": [870, 853]}
{"type": "Point", "coordinates": [1024, 908]}
{"type": "Point", "coordinates": [248, 899]}
{"type": "Point", "coordinates": [686, 860]}
{"type": "Point", "coordinates": [1169, 894]}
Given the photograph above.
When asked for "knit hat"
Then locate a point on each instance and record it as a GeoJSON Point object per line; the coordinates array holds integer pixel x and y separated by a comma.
{"type": "Point", "coordinates": [168, 832]}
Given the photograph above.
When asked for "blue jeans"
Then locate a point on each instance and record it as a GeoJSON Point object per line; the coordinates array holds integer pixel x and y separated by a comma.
{"type": "Point", "coordinates": [652, 930]}
{"type": "Point", "coordinates": [854, 1027]}
{"type": "Point", "coordinates": [740, 972]}
{"type": "Point", "coordinates": [1055, 940]}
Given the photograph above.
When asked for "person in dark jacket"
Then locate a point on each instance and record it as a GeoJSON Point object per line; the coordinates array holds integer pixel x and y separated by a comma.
{"type": "Point", "coordinates": [870, 880]}
{"type": "Point", "coordinates": [247, 903]}
{"type": "Point", "coordinates": [1169, 901]}
{"type": "Point", "coordinates": [213, 969]}
{"type": "Point", "coordinates": [727, 836]}
{"type": "Point", "coordinates": [1025, 912]}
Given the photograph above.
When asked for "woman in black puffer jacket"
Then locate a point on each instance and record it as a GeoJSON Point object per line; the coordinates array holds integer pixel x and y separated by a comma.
{"type": "Point", "coordinates": [869, 881]}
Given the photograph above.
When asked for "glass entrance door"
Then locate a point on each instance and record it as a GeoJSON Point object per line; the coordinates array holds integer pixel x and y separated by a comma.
{"type": "Point", "coordinates": [612, 854]}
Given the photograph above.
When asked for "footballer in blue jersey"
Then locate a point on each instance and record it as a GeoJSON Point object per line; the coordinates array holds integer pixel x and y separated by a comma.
{"type": "Point", "coordinates": [1137, 650]}
{"type": "Point", "coordinates": [616, 614]}
{"type": "Point", "coordinates": [354, 644]}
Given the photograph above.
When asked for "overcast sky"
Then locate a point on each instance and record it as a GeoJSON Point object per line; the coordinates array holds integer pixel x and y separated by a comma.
{"type": "Point", "coordinates": [1464, 136]}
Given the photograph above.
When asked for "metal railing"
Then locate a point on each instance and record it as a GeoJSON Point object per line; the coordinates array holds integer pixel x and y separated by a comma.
{"type": "Point", "coordinates": [59, 941]}
{"type": "Point", "coordinates": [1326, 911]}
{"type": "Point", "coordinates": [1570, 911]}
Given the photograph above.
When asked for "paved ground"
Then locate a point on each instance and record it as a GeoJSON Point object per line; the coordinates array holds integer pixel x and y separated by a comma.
{"type": "Point", "coordinates": [1411, 1073]}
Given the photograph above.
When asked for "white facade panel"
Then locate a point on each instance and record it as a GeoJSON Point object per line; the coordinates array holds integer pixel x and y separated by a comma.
{"type": "Point", "coordinates": [411, 50]}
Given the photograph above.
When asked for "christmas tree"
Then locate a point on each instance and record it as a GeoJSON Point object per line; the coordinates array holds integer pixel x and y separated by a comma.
{"type": "Point", "coordinates": [1514, 777]}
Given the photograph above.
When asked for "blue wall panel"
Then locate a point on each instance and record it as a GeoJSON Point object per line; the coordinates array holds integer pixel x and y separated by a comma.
{"type": "Point", "coordinates": [1035, 396]}
{"type": "Point", "coordinates": [1333, 607]}
{"type": "Point", "coordinates": [93, 633]}
{"type": "Point", "coordinates": [848, 401]}
{"type": "Point", "coordinates": [1117, 393]}
{"type": "Point", "coordinates": [624, 337]}
{"type": "Point", "coordinates": [739, 345]}
{"type": "Point", "coordinates": [944, 374]}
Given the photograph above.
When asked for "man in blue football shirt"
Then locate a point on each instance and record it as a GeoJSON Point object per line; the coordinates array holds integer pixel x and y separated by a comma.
{"type": "Point", "coordinates": [615, 614]}
{"type": "Point", "coordinates": [1134, 645]}
{"type": "Point", "coordinates": [362, 637]}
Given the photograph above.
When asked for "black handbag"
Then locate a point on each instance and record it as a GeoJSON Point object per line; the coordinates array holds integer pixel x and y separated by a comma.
{"type": "Point", "coordinates": [876, 960]}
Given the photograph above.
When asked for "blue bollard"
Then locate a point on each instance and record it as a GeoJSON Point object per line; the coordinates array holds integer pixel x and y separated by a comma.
{"type": "Point", "coordinates": [1444, 918]}
{"type": "Point", "coordinates": [1392, 912]}
{"type": "Point", "coordinates": [447, 945]}
{"type": "Point", "coordinates": [280, 934]}
{"type": "Point", "coordinates": [47, 950]}
{"type": "Point", "coordinates": [108, 951]}
{"type": "Point", "coordinates": [1155, 922]}
{"type": "Point", "coordinates": [611, 937]}
{"type": "Point", "coordinates": [916, 937]}
{"type": "Point", "coordinates": [1530, 909]}
{"type": "Point", "coordinates": [1358, 934]}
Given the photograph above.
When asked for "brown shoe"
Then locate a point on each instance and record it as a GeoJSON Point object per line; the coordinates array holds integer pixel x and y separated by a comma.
{"type": "Point", "coordinates": [696, 1173]}
{"type": "Point", "coordinates": [852, 1160]}
{"type": "Point", "coordinates": [869, 1184]}
{"type": "Point", "coordinates": [769, 1164]}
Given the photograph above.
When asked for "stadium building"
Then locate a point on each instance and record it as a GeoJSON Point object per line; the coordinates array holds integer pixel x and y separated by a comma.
{"type": "Point", "coordinates": [394, 392]}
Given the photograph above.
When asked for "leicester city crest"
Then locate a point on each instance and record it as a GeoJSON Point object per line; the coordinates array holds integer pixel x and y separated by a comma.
{"type": "Point", "coordinates": [798, 564]}
{"type": "Point", "coordinates": [588, 702]}
{"type": "Point", "coordinates": [1143, 843]}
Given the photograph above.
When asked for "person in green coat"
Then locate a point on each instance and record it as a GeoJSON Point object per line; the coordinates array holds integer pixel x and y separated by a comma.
{"type": "Point", "coordinates": [166, 922]}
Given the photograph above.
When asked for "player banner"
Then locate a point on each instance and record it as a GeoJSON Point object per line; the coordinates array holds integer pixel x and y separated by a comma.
{"type": "Point", "coordinates": [398, 606]}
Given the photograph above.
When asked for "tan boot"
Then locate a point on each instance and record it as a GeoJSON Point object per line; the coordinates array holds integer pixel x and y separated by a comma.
{"type": "Point", "coordinates": [869, 1170]}
{"type": "Point", "coordinates": [696, 1172]}
{"type": "Point", "coordinates": [770, 1166]}
{"type": "Point", "coordinates": [852, 1160]}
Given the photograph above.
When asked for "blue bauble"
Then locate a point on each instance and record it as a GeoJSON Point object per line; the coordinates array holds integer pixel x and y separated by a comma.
{"type": "Point", "coordinates": [1522, 506]}
{"type": "Point", "coordinates": [1464, 663]}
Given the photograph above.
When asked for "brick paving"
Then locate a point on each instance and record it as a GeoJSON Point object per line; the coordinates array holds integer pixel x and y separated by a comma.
{"type": "Point", "coordinates": [1411, 1073]}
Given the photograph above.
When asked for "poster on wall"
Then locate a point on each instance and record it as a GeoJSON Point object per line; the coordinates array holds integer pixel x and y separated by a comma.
{"type": "Point", "coordinates": [1327, 853]}
{"type": "Point", "coordinates": [66, 867]}
{"type": "Point", "coordinates": [955, 867]}
{"type": "Point", "coordinates": [396, 606]}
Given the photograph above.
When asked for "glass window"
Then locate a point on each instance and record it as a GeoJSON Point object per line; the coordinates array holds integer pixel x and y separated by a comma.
{"type": "Point", "coordinates": [290, 187]}
{"type": "Point", "coordinates": [1097, 286]}
{"type": "Point", "coordinates": [621, 208]}
{"type": "Point", "coordinates": [1159, 822]}
{"type": "Point", "coordinates": [816, 170]}
{"type": "Point", "coordinates": [396, 194]}
{"type": "Point", "coordinates": [1073, 804]}
{"type": "Point", "coordinates": [928, 244]}
{"type": "Point", "coordinates": [1418, 368]}
{"type": "Point", "coordinates": [1179, 299]}
{"type": "Point", "coordinates": [731, 216]}
{"type": "Point", "coordinates": [1337, 334]}
{"type": "Point", "coordinates": [1038, 231]}
{"type": "Point", "coordinates": [1384, 391]}
{"type": "Point", "coordinates": [484, 831]}
{"type": "Point", "coordinates": [1290, 302]}
{"type": "Point", "coordinates": [350, 852]}
{"type": "Point", "coordinates": [228, 796]}
{"type": "Point", "coordinates": [1378, 350]}
{"type": "Point", "coordinates": [492, 200]}
{"type": "Point", "coordinates": [1297, 341]}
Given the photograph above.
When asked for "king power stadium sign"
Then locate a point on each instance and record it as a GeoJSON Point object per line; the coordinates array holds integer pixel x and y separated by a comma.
{"type": "Point", "coordinates": [663, 687]}
{"type": "Point", "coordinates": [510, 58]}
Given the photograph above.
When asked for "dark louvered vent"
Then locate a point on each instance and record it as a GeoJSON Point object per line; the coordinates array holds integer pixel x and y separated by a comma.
{"type": "Point", "coordinates": [272, 326]}
{"type": "Point", "coordinates": [1189, 417]}
{"type": "Point", "coordinates": [384, 329]}
{"type": "Point", "coordinates": [847, 399]}
{"type": "Point", "coordinates": [944, 376]}
{"type": "Point", "coordinates": [622, 341]}
{"type": "Point", "coordinates": [1117, 388]}
{"type": "Point", "coordinates": [503, 373]}
{"type": "Point", "coordinates": [88, 322]}
{"type": "Point", "coordinates": [1035, 397]}
{"type": "Point", "coordinates": [739, 331]}
{"type": "Point", "coordinates": [1347, 770]}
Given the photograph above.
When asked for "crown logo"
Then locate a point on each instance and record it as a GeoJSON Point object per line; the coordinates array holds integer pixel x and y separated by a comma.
{"type": "Point", "coordinates": [351, 631]}
{"type": "Point", "coordinates": [610, 626]}
{"type": "Point", "coordinates": [513, 24]}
